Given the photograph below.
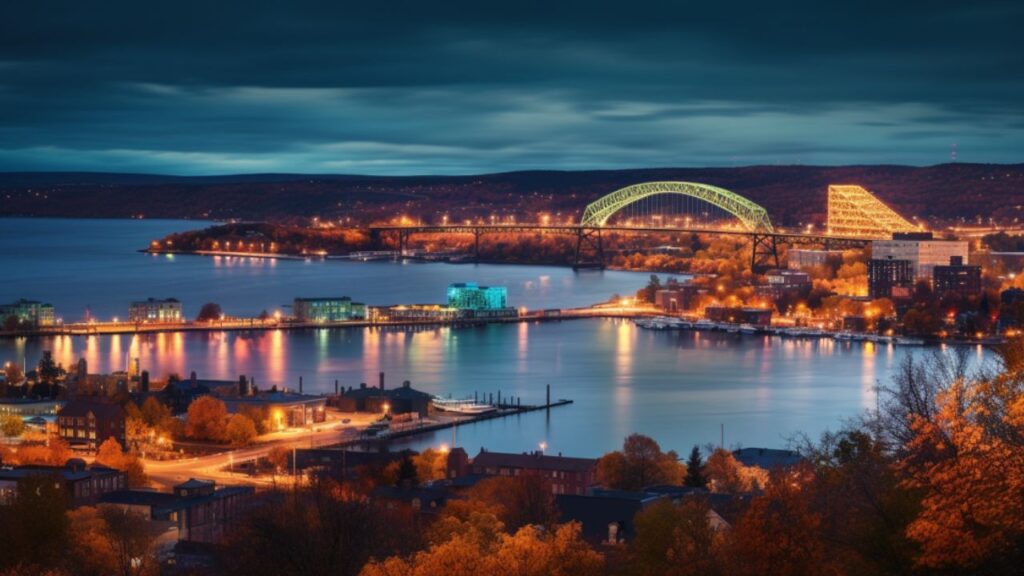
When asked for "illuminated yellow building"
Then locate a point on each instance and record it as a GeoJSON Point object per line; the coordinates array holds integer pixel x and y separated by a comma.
{"type": "Point", "coordinates": [855, 212]}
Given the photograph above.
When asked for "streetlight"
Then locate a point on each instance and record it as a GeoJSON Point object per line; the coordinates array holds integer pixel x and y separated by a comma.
{"type": "Point", "coordinates": [543, 446]}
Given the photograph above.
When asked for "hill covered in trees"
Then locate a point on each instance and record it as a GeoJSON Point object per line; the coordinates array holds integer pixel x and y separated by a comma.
{"type": "Point", "coordinates": [793, 195]}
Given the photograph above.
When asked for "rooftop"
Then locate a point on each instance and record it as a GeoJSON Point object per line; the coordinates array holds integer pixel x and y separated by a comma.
{"type": "Point", "coordinates": [534, 460]}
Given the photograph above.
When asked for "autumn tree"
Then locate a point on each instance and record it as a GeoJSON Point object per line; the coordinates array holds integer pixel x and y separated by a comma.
{"type": "Point", "coordinates": [639, 464]}
{"type": "Point", "coordinates": [431, 464]}
{"type": "Point", "coordinates": [676, 540]}
{"type": "Point", "coordinates": [727, 475]}
{"type": "Point", "coordinates": [529, 552]}
{"type": "Point", "coordinates": [240, 431]}
{"type": "Point", "coordinates": [206, 419]}
{"type": "Point", "coordinates": [967, 459]}
{"type": "Point", "coordinates": [111, 455]}
{"type": "Point", "coordinates": [12, 426]}
{"type": "Point", "coordinates": [780, 533]}
{"type": "Point", "coordinates": [519, 501]}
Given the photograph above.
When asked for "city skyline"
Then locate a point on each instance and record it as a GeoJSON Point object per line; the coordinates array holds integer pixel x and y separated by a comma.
{"type": "Point", "coordinates": [463, 88]}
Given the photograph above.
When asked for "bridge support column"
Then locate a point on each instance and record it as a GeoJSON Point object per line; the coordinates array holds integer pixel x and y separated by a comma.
{"type": "Point", "coordinates": [589, 239]}
{"type": "Point", "coordinates": [403, 242]}
{"type": "Point", "coordinates": [476, 244]}
{"type": "Point", "coordinates": [765, 253]}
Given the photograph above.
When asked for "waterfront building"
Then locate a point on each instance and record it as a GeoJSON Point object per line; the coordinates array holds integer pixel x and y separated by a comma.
{"type": "Point", "coordinates": [566, 475]}
{"type": "Point", "coordinates": [338, 309]}
{"type": "Point", "coordinates": [413, 313]}
{"type": "Point", "coordinates": [91, 422]}
{"type": "Point", "coordinates": [29, 313]}
{"type": "Point", "coordinates": [887, 275]}
{"type": "Point", "coordinates": [402, 400]}
{"type": "Point", "coordinates": [470, 296]}
{"type": "Point", "coordinates": [284, 409]}
{"type": "Point", "coordinates": [923, 252]}
{"type": "Point", "coordinates": [799, 259]}
{"type": "Point", "coordinates": [736, 315]}
{"type": "Point", "coordinates": [784, 280]}
{"type": "Point", "coordinates": [84, 485]}
{"type": "Point", "coordinates": [153, 310]}
{"type": "Point", "coordinates": [1011, 309]}
{"type": "Point", "coordinates": [677, 298]}
{"type": "Point", "coordinates": [29, 407]}
{"type": "Point", "coordinates": [957, 278]}
{"type": "Point", "coordinates": [196, 511]}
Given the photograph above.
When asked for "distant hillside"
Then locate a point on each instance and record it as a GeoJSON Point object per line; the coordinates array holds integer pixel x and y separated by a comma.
{"type": "Point", "coordinates": [791, 194]}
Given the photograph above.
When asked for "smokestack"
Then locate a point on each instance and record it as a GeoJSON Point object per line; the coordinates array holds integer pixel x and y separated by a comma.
{"type": "Point", "coordinates": [300, 384]}
{"type": "Point", "coordinates": [335, 387]}
{"type": "Point", "coordinates": [193, 378]}
{"type": "Point", "coordinates": [243, 386]}
{"type": "Point", "coordinates": [144, 381]}
{"type": "Point", "coordinates": [382, 380]}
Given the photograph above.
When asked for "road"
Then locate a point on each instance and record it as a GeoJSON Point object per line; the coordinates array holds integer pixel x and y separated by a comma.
{"type": "Point", "coordinates": [167, 473]}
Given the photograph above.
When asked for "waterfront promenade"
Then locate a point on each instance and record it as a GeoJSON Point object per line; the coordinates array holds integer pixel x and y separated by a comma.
{"type": "Point", "coordinates": [257, 324]}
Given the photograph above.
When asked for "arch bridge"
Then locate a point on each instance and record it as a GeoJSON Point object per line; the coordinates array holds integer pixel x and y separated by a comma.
{"type": "Point", "coordinates": [589, 253]}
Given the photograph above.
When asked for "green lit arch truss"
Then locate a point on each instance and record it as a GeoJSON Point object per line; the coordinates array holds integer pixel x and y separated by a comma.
{"type": "Point", "coordinates": [752, 215]}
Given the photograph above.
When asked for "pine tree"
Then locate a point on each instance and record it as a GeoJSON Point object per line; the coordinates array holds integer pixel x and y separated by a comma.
{"type": "Point", "coordinates": [695, 470]}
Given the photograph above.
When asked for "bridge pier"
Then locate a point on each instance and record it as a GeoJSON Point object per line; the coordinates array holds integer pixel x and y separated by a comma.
{"type": "Point", "coordinates": [588, 238]}
{"type": "Point", "coordinates": [765, 253]}
{"type": "Point", "coordinates": [476, 245]}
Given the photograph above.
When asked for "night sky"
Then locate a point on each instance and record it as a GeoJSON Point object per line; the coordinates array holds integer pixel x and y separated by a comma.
{"type": "Point", "coordinates": [443, 87]}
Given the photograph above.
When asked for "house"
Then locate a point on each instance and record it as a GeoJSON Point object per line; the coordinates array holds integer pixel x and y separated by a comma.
{"type": "Point", "coordinates": [197, 510]}
{"type": "Point", "coordinates": [605, 516]}
{"type": "Point", "coordinates": [420, 500]}
{"type": "Point", "coordinates": [566, 475]}
{"type": "Point", "coordinates": [90, 422]}
{"type": "Point", "coordinates": [83, 484]}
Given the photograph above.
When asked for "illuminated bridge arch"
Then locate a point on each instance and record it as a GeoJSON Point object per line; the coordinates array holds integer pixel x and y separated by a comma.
{"type": "Point", "coordinates": [752, 215]}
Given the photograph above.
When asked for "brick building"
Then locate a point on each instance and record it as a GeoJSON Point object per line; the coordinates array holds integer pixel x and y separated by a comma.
{"type": "Point", "coordinates": [566, 475]}
{"type": "Point", "coordinates": [90, 422]}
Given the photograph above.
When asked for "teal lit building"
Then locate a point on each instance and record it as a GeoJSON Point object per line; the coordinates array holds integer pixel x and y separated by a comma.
{"type": "Point", "coordinates": [470, 296]}
{"type": "Point", "coordinates": [328, 309]}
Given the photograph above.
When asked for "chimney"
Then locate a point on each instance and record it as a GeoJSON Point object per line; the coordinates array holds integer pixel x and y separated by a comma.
{"type": "Point", "coordinates": [406, 384]}
{"type": "Point", "coordinates": [243, 386]}
{"type": "Point", "coordinates": [335, 387]}
{"type": "Point", "coordinates": [193, 378]}
{"type": "Point", "coordinates": [144, 381]}
{"type": "Point", "coordinates": [381, 380]}
{"type": "Point", "coordinates": [300, 385]}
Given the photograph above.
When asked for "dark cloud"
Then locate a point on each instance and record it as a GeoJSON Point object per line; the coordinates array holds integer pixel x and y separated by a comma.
{"type": "Point", "coordinates": [455, 86]}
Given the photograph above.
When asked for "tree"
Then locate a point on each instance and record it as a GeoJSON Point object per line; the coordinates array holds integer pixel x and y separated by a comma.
{"type": "Point", "coordinates": [431, 464]}
{"type": "Point", "coordinates": [641, 463]}
{"type": "Point", "coordinates": [518, 501]}
{"type": "Point", "coordinates": [12, 426]}
{"type": "Point", "coordinates": [13, 373]}
{"type": "Point", "coordinates": [780, 534]}
{"type": "Point", "coordinates": [89, 548]}
{"type": "Point", "coordinates": [676, 540]}
{"type": "Point", "coordinates": [967, 459]}
{"type": "Point", "coordinates": [111, 455]}
{"type": "Point", "coordinates": [130, 538]}
{"type": "Point", "coordinates": [210, 311]}
{"type": "Point", "coordinates": [240, 430]}
{"type": "Point", "coordinates": [33, 528]}
{"type": "Point", "coordinates": [206, 419]}
{"type": "Point", "coordinates": [528, 552]}
{"type": "Point", "coordinates": [695, 470]}
{"type": "Point", "coordinates": [278, 457]}
{"type": "Point", "coordinates": [48, 370]}
{"type": "Point", "coordinates": [727, 475]}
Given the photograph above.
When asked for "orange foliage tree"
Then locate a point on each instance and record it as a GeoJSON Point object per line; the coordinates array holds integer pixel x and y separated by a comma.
{"type": "Point", "coordinates": [639, 464]}
{"type": "Point", "coordinates": [206, 419]}
{"type": "Point", "coordinates": [727, 475]}
{"type": "Point", "coordinates": [110, 454]}
{"type": "Point", "coordinates": [968, 461]}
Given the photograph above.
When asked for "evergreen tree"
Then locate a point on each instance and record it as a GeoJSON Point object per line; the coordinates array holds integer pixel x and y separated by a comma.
{"type": "Point", "coordinates": [695, 470]}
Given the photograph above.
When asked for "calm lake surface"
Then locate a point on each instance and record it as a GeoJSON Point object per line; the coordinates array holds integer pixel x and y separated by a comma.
{"type": "Point", "coordinates": [678, 387]}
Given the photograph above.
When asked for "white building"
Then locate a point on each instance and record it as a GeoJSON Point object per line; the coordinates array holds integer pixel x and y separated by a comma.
{"type": "Point", "coordinates": [924, 255]}
{"type": "Point", "coordinates": [153, 310]}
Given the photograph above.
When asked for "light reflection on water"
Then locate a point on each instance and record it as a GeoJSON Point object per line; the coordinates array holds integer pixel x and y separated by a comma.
{"type": "Point", "coordinates": [676, 386]}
